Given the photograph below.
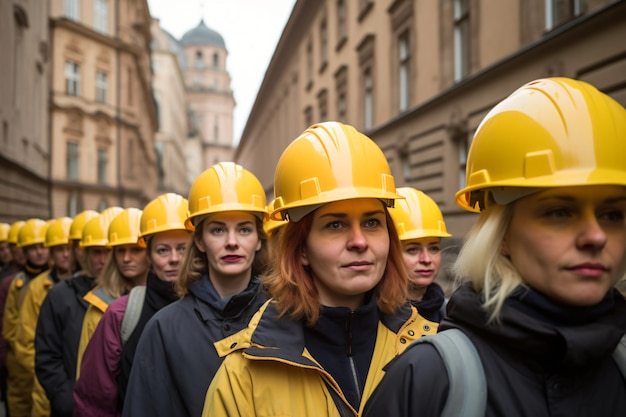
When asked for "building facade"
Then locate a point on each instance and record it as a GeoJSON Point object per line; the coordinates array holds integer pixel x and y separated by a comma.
{"type": "Point", "coordinates": [24, 142]}
{"type": "Point", "coordinates": [209, 96]}
{"type": "Point", "coordinates": [168, 86]}
{"type": "Point", "coordinates": [102, 117]}
{"type": "Point", "coordinates": [418, 77]}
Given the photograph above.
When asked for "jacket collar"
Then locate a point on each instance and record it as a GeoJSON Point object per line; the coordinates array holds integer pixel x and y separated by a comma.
{"type": "Point", "coordinates": [551, 334]}
{"type": "Point", "coordinates": [285, 336]}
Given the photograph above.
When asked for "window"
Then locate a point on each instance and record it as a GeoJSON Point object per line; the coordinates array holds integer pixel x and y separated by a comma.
{"type": "Point", "coordinates": [461, 39]}
{"type": "Point", "coordinates": [103, 162]}
{"type": "Point", "coordinates": [130, 155]}
{"type": "Point", "coordinates": [308, 116]}
{"type": "Point", "coordinates": [157, 110]}
{"type": "Point", "coordinates": [216, 131]}
{"type": "Point", "coordinates": [364, 8]}
{"type": "Point", "coordinates": [341, 86]}
{"type": "Point", "coordinates": [463, 150]}
{"type": "Point", "coordinates": [72, 160]}
{"type": "Point", "coordinates": [103, 205]}
{"type": "Point", "coordinates": [71, 9]}
{"type": "Point", "coordinates": [404, 78]}
{"type": "Point", "coordinates": [129, 87]}
{"type": "Point", "coordinates": [367, 59]}
{"type": "Point", "coordinates": [72, 204]}
{"type": "Point", "coordinates": [322, 103]}
{"type": "Point", "coordinates": [561, 11]}
{"type": "Point", "coordinates": [368, 99]}
{"type": "Point", "coordinates": [72, 78]}
{"type": "Point", "coordinates": [342, 31]}
{"type": "Point", "coordinates": [309, 64]}
{"type": "Point", "coordinates": [102, 86]}
{"type": "Point", "coordinates": [216, 61]}
{"type": "Point", "coordinates": [323, 45]}
{"type": "Point", "coordinates": [199, 63]}
{"type": "Point", "coordinates": [100, 15]}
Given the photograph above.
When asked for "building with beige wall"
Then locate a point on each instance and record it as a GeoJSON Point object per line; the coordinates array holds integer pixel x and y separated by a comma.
{"type": "Point", "coordinates": [168, 86]}
{"type": "Point", "coordinates": [209, 94]}
{"type": "Point", "coordinates": [102, 117]}
{"type": "Point", "coordinates": [418, 76]}
{"type": "Point", "coordinates": [24, 141]}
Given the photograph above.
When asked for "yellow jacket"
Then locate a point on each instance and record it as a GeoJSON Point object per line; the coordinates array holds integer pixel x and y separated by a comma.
{"type": "Point", "coordinates": [25, 337]}
{"type": "Point", "coordinates": [269, 371]}
{"type": "Point", "coordinates": [20, 379]}
{"type": "Point", "coordinates": [98, 304]}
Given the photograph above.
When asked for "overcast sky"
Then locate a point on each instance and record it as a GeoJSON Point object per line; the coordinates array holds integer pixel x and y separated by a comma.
{"type": "Point", "coordinates": [250, 28]}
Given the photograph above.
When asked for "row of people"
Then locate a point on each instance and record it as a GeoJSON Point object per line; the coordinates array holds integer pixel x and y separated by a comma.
{"type": "Point", "coordinates": [320, 322]}
{"type": "Point", "coordinates": [538, 303]}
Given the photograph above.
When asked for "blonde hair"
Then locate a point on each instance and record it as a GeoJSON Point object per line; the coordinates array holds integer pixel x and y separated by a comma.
{"type": "Point", "coordinates": [111, 280]}
{"type": "Point", "coordinates": [195, 264]}
{"type": "Point", "coordinates": [481, 262]}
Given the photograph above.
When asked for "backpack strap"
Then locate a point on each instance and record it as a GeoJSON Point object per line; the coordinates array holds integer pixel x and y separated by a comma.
{"type": "Point", "coordinates": [467, 395]}
{"type": "Point", "coordinates": [619, 356]}
{"type": "Point", "coordinates": [133, 312]}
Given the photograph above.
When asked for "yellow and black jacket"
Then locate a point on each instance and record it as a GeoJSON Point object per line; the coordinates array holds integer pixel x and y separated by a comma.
{"type": "Point", "coordinates": [278, 366]}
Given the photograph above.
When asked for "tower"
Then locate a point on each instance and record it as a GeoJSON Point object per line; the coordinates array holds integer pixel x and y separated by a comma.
{"type": "Point", "coordinates": [209, 94]}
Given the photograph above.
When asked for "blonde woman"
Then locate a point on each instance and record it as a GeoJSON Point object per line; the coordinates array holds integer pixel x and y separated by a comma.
{"type": "Point", "coordinates": [108, 358]}
{"type": "Point", "coordinates": [546, 173]}
{"type": "Point", "coordinates": [126, 267]}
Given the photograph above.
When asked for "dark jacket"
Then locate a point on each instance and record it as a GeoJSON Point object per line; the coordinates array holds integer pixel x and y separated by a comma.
{"type": "Point", "coordinates": [176, 360]}
{"type": "Point", "coordinates": [543, 360]}
{"type": "Point", "coordinates": [158, 295]}
{"type": "Point", "coordinates": [56, 341]}
{"type": "Point", "coordinates": [432, 305]}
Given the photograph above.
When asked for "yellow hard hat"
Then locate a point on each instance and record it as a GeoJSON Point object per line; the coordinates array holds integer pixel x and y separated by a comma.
{"type": "Point", "coordinates": [95, 231]}
{"type": "Point", "coordinates": [166, 212]}
{"type": "Point", "coordinates": [124, 228]}
{"type": "Point", "coordinates": [551, 132]}
{"type": "Point", "coordinates": [14, 231]}
{"type": "Point", "coordinates": [417, 216]}
{"type": "Point", "coordinates": [269, 224]}
{"type": "Point", "coordinates": [330, 161]}
{"type": "Point", "coordinates": [225, 186]}
{"type": "Point", "coordinates": [32, 233]}
{"type": "Point", "coordinates": [58, 232]}
{"type": "Point", "coordinates": [4, 231]}
{"type": "Point", "coordinates": [76, 230]}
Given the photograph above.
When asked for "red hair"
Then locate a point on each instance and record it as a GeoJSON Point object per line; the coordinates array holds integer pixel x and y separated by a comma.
{"type": "Point", "coordinates": [292, 286]}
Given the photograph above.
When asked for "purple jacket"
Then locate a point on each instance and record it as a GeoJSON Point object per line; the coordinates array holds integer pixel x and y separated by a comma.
{"type": "Point", "coordinates": [96, 392]}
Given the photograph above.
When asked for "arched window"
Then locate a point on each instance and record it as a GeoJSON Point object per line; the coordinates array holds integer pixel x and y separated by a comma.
{"type": "Point", "coordinates": [216, 61]}
{"type": "Point", "coordinates": [199, 62]}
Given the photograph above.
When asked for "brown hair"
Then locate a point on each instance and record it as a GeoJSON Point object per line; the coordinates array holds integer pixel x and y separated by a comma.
{"type": "Point", "coordinates": [195, 264]}
{"type": "Point", "coordinates": [291, 284]}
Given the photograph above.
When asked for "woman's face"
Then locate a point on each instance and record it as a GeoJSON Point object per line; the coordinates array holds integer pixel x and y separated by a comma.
{"type": "Point", "coordinates": [37, 254]}
{"type": "Point", "coordinates": [96, 257]}
{"type": "Point", "coordinates": [569, 243]}
{"type": "Point", "coordinates": [230, 242]}
{"type": "Point", "coordinates": [166, 252]}
{"type": "Point", "coordinates": [61, 256]}
{"type": "Point", "coordinates": [346, 250]}
{"type": "Point", "coordinates": [422, 258]}
{"type": "Point", "coordinates": [132, 262]}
